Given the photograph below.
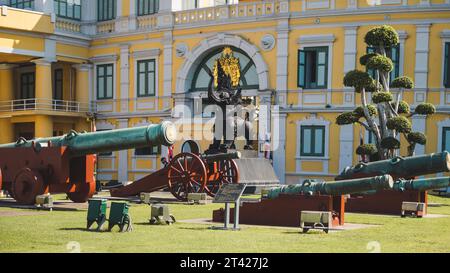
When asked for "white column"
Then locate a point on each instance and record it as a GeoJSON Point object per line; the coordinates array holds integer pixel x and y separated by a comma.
{"type": "Point", "coordinates": [282, 61]}
{"type": "Point", "coordinates": [346, 147]}
{"type": "Point", "coordinates": [122, 174]}
{"type": "Point", "coordinates": [421, 68]}
{"type": "Point", "coordinates": [279, 153]}
{"type": "Point", "coordinates": [350, 40]}
{"type": "Point", "coordinates": [124, 77]}
{"type": "Point", "coordinates": [167, 63]}
{"type": "Point", "coordinates": [419, 125]}
{"type": "Point", "coordinates": [88, 17]}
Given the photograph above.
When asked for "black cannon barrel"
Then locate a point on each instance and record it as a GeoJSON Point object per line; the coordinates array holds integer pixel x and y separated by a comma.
{"type": "Point", "coordinates": [400, 167]}
{"type": "Point", "coordinates": [107, 141]}
{"type": "Point", "coordinates": [222, 156]}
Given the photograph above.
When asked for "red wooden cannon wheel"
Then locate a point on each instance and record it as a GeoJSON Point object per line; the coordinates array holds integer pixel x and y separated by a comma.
{"type": "Point", "coordinates": [228, 173]}
{"type": "Point", "coordinates": [26, 186]}
{"type": "Point", "coordinates": [83, 192]}
{"type": "Point", "coordinates": [186, 174]}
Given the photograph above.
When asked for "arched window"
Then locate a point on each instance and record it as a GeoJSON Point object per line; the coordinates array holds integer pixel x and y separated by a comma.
{"type": "Point", "coordinates": [203, 75]}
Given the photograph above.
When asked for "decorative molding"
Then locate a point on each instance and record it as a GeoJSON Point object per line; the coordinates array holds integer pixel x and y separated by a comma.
{"type": "Point", "coordinates": [148, 53]}
{"type": "Point", "coordinates": [181, 49]}
{"type": "Point", "coordinates": [309, 39]}
{"type": "Point", "coordinates": [192, 58]}
{"type": "Point", "coordinates": [104, 58]}
{"type": "Point", "coordinates": [267, 42]}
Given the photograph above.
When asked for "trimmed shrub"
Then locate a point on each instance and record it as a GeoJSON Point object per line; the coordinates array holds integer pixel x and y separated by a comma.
{"type": "Point", "coordinates": [403, 107]}
{"type": "Point", "coordinates": [364, 59]}
{"type": "Point", "coordinates": [381, 63]}
{"type": "Point", "coordinates": [400, 124]}
{"type": "Point", "coordinates": [358, 79]}
{"type": "Point", "coordinates": [425, 109]}
{"type": "Point", "coordinates": [366, 149]}
{"type": "Point", "coordinates": [346, 118]}
{"type": "Point", "coordinates": [382, 35]}
{"type": "Point", "coordinates": [402, 82]}
{"type": "Point", "coordinates": [390, 143]}
{"type": "Point", "coordinates": [381, 97]}
{"type": "Point", "coordinates": [417, 137]}
{"type": "Point", "coordinates": [359, 111]}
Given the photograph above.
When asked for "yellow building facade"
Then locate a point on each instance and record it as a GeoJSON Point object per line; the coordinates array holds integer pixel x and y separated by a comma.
{"type": "Point", "coordinates": [130, 63]}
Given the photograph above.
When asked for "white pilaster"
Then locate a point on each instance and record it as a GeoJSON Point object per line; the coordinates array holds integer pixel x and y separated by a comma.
{"type": "Point", "coordinates": [89, 17]}
{"type": "Point", "coordinates": [45, 6]}
{"type": "Point", "coordinates": [352, 4]}
{"type": "Point", "coordinates": [346, 147]}
{"type": "Point", "coordinates": [350, 41]}
{"type": "Point", "coordinates": [264, 124]}
{"type": "Point", "coordinates": [123, 156]}
{"type": "Point", "coordinates": [421, 68]}
{"type": "Point", "coordinates": [165, 16]}
{"type": "Point", "coordinates": [132, 21]}
{"type": "Point", "coordinates": [419, 125]}
{"type": "Point", "coordinates": [279, 145]}
{"type": "Point", "coordinates": [167, 63]}
{"type": "Point", "coordinates": [124, 77]}
{"type": "Point", "coordinates": [282, 61]}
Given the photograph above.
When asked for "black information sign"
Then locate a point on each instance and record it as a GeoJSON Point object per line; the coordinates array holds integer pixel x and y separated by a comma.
{"type": "Point", "coordinates": [229, 193]}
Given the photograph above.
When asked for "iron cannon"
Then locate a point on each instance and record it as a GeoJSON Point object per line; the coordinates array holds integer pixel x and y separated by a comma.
{"type": "Point", "coordinates": [312, 187]}
{"type": "Point", "coordinates": [66, 164]}
{"type": "Point", "coordinates": [424, 184]}
{"type": "Point", "coordinates": [188, 172]}
{"type": "Point", "coordinates": [400, 167]}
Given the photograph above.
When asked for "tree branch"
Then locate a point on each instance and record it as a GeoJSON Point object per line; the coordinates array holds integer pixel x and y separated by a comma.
{"type": "Point", "coordinates": [367, 127]}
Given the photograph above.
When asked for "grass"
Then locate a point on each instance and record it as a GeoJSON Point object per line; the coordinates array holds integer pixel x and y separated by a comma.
{"type": "Point", "coordinates": [52, 232]}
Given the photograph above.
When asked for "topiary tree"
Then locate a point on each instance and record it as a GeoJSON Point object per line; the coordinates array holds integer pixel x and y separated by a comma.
{"type": "Point", "coordinates": [387, 117]}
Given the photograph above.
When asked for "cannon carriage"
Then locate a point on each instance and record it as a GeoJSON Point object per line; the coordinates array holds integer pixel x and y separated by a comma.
{"type": "Point", "coordinates": [66, 164]}
{"type": "Point", "coordinates": [188, 172]}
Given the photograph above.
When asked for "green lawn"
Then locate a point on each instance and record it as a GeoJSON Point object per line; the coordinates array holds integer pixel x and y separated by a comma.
{"type": "Point", "coordinates": [52, 231]}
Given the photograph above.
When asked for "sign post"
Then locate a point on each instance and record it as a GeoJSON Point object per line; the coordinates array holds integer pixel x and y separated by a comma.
{"type": "Point", "coordinates": [230, 193]}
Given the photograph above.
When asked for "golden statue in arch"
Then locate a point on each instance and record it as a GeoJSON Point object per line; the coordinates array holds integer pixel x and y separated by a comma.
{"type": "Point", "coordinates": [228, 65]}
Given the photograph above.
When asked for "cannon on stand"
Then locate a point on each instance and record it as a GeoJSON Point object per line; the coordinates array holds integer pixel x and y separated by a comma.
{"type": "Point", "coordinates": [281, 206]}
{"type": "Point", "coordinates": [66, 164]}
{"type": "Point", "coordinates": [188, 172]}
{"type": "Point", "coordinates": [404, 170]}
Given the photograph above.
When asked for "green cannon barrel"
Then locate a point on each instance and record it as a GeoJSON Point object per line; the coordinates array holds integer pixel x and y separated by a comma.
{"type": "Point", "coordinates": [400, 167]}
{"type": "Point", "coordinates": [422, 184]}
{"type": "Point", "coordinates": [107, 141]}
{"type": "Point", "coordinates": [335, 187]}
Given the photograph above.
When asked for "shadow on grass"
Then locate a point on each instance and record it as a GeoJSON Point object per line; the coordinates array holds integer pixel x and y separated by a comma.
{"type": "Point", "coordinates": [84, 229]}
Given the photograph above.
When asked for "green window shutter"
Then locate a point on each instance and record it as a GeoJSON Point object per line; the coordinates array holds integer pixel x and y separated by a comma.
{"type": "Point", "coordinates": [446, 139]}
{"type": "Point", "coordinates": [371, 71]}
{"type": "Point", "coordinates": [301, 68]}
{"type": "Point", "coordinates": [146, 78]}
{"type": "Point", "coordinates": [394, 54]}
{"type": "Point", "coordinates": [447, 66]}
{"type": "Point", "coordinates": [312, 141]}
{"type": "Point", "coordinates": [105, 81]}
{"type": "Point", "coordinates": [322, 67]}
